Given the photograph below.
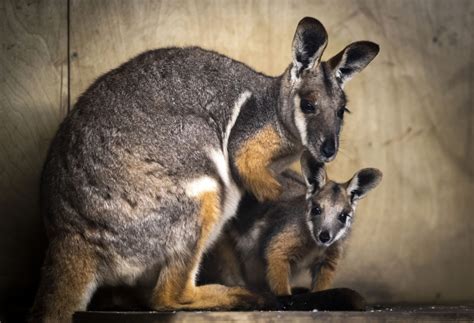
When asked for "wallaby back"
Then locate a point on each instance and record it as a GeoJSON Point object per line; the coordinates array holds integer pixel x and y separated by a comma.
{"type": "Point", "coordinates": [155, 156]}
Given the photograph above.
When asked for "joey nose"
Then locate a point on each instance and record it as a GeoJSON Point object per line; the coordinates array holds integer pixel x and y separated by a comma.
{"type": "Point", "coordinates": [328, 148]}
{"type": "Point", "coordinates": [324, 237]}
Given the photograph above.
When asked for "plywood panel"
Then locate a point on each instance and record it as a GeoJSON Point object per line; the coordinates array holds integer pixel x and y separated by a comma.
{"type": "Point", "coordinates": [413, 119]}
{"type": "Point", "coordinates": [412, 116]}
{"type": "Point", "coordinates": [33, 100]}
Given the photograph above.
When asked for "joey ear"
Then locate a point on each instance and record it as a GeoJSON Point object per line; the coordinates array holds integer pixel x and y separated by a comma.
{"type": "Point", "coordinates": [363, 182]}
{"type": "Point", "coordinates": [309, 42]}
{"type": "Point", "coordinates": [313, 172]}
{"type": "Point", "coordinates": [353, 59]}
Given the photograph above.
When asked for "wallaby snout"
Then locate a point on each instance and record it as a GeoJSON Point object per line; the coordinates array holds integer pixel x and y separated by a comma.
{"type": "Point", "coordinates": [329, 148]}
{"type": "Point", "coordinates": [324, 236]}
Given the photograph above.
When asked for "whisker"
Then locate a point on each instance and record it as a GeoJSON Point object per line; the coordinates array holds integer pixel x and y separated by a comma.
{"type": "Point", "coordinates": [344, 153]}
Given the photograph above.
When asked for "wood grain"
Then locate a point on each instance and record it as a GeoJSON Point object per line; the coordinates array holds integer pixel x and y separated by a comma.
{"type": "Point", "coordinates": [384, 314]}
{"type": "Point", "coordinates": [412, 116]}
{"type": "Point", "coordinates": [413, 120]}
{"type": "Point", "coordinates": [33, 100]}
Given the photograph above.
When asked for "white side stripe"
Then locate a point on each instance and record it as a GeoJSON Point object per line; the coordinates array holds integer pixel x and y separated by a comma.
{"type": "Point", "coordinates": [243, 97]}
{"type": "Point", "coordinates": [201, 185]}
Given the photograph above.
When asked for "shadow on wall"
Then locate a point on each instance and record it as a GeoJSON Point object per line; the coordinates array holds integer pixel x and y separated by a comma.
{"type": "Point", "coordinates": [23, 236]}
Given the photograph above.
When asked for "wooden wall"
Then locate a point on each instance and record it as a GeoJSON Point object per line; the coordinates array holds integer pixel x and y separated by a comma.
{"type": "Point", "coordinates": [33, 100]}
{"type": "Point", "coordinates": [412, 117]}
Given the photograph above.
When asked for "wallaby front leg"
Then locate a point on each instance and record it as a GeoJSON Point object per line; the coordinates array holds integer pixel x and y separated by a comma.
{"type": "Point", "coordinates": [253, 162]}
{"type": "Point", "coordinates": [278, 272]}
{"type": "Point", "coordinates": [323, 273]}
{"type": "Point", "coordinates": [323, 277]}
{"type": "Point", "coordinates": [278, 253]}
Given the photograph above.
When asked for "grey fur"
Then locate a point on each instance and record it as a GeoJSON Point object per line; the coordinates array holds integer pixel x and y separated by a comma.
{"type": "Point", "coordinates": [253, 230]}
{"type": "Point", "coordinates": [114, 182]}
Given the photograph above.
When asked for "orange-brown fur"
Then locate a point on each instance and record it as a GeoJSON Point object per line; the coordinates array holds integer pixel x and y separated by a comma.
{"type": "Point", "coordinates": [176, 286]}
{"type": "Point", "coordinates": [283, 248]}
{"type": "Point", "coordinates": [328, 269]}
{"type": "Point", "coordinates": [253, 160]}
{"type": "Point", "coordinates": [209, 214]}
{"type": "Point", "coordinates": [68, 281]}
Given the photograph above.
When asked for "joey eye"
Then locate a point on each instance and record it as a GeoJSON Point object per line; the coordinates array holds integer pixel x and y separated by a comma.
{"type": "Point", "coordinates": [307, 106]}
{"type": "Point", "coordinates": [343, 217]}
{"type": "Point", "coordinates": [341, 111]}
{"type": "Point", "coordinates": [315, 211]}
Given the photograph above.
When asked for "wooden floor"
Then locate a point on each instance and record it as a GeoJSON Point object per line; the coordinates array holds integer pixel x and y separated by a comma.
{"type": "Point", "coordinates": [374, 314]}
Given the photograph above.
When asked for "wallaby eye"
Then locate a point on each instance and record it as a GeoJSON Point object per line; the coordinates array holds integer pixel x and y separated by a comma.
{"type": "Point", "coordinates": [307, 106]}
{"type": "Point", "coordinates": [316, 210]}
{"type": "Point", "coordinates": [343, 217]}
{"type": "Point", "coordinates": [340, 112]}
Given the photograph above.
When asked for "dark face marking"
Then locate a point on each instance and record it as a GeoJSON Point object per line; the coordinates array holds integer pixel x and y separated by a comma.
{"type": "Point", "coordinates": [329, 210]}
{"type": "Point", "coordinates": [336, 191]}
{"type": "Point", "coordinates": [320, 88]}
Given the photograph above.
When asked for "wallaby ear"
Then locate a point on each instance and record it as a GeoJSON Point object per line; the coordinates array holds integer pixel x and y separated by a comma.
{"type": "Point", "coordinates": [362, 182]}
{"type": "Point", "coordinates": [353, 59]}
{"type": "Point", "coordinates": [313, 172]}
{"type": "Point", "coordinates": [309, 42]}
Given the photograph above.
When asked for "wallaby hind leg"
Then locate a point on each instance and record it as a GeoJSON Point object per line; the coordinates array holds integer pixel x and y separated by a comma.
{"type": "Point", "coordinates": [68, 281]}
{"type": "Point", "coordinates": [176, 287]}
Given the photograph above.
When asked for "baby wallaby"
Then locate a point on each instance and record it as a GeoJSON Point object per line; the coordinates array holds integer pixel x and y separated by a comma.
{"type": "Point", "coordinates": [275, 241]}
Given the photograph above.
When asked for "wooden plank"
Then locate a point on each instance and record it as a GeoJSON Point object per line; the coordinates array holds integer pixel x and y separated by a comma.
{"type": "Point", "coordinates": [403, 314]}
{"type": "Point", "coordinates": [33, 100]}
{"type": "Point", "coordinates": [412, 116]}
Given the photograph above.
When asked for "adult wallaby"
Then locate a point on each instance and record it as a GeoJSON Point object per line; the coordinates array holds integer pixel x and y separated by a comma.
{"type": "Point", "coordinates": [156, 154]}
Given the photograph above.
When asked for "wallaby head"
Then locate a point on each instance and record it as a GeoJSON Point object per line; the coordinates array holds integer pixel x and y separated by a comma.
{"type": "Point", "coordinates": [330, 206]}
{"type": "Point", "coordinates": [312, 99]}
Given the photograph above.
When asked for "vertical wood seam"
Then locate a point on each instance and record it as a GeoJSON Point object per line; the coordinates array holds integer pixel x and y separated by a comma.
{"type": "Point", "coordinates": [68, 37]}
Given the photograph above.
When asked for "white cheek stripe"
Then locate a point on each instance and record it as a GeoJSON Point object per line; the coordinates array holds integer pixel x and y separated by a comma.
{"type": "Point", "coordinates": [300, 121]}
{"type": "Point", "coordinates": [310, 227]}
{"type": "Point", "coordinates": [340, 234]}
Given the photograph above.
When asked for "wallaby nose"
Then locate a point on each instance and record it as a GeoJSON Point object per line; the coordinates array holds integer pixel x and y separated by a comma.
{"type": "Point", "coordinates": [324, 237]}
{"type": "Point", "coordinates": [328, 149]}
